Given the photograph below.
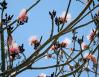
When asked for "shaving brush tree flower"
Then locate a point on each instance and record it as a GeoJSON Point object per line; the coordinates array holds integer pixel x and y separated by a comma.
{"type": "Point", "coordinates": [61, 50]}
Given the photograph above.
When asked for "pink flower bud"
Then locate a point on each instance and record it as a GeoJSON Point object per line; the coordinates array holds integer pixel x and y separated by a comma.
{"type": "Point", "coordinates": [23, 15]}
{"type": "Point", "coordinates": [88, 56]}
{"type": "Point", "coordinates": [84, 46]}
{"type": "Point", "coordinates": [94, 60]}
{"type": "Point", "coordinates": [42, 75]}
{"type": "Point", "coordinates": [14, 49]}
{"type": "Point", "coordinates": [91, 35]}
{"type": "Point", "coordinates": [65, 43]}
{"type": "Point", "coordinates": [62, 20]}
{"type": "Point", "coordinates": [91, 57]}
{"type": "Point", "coordinates": [54, 47]}
{"type": "Point", "coordinates": [33, 40]}
{"type": "Point", "coordinates": [62, 17]}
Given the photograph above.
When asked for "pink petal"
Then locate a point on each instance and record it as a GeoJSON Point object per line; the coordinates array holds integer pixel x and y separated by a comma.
{"type": "Point", "coordinates": [23, 15]}
{"type": "Point", "coordinates": [32, 39]}
{"type": "Point", "coordinates": [84, 46]}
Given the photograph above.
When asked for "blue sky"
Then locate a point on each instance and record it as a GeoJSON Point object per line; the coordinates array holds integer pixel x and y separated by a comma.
{"type": "Point", "coordinates": [39, 24]}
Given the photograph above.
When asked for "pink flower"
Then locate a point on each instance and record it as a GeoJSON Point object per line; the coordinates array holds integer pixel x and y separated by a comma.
{"type": "Point", "coordinates": [42, 75]}
{"type": "Point", "coordinates": [84, 46]}
{"type": "Point", "coordinates": [62, 20]}
{"type": "Point", "coordinates": [65, 43]}
{"type": "Point", "coordinates": [54, 47]}
{"type": "Point", "coordinates": [33, 40]}
{"type": "Point", "coordinates": [91, 35]}
{"type": "Point", "coordinates": [88, 56]}
{"type": "Point", "coordinates": [23, 15]}
{"type": "Point", "coordinates": [14, 48]}
{"type": "Point", "coordinates": [62, 17]}
{"type": "Point", "coordinates": [91, 57]}
{"type": "Point", "coordinates": [94, 60]}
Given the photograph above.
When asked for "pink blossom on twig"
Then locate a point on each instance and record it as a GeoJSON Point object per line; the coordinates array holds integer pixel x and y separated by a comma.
{"type": "Point", "coordinates": [54, 47]}
{"type": "Point", "coordinates": [84, 46]}
{"type": "Point", "coordinates": [32, 40]}
{"type": "Point", "coordinates": [90, 37]}
{"type": "Point", "coordinates": [66, 42]}
{"type": "Point", "coordinates": [91, 57]}
{"type": "Point", "coordinates": [14, 48]}
{"type": "Point", "coordinates": [23, 15]}
{"type": "Point", "coordinates": [62, 17]}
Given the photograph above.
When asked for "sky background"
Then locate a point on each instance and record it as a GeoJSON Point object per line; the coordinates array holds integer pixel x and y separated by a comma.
{"type": "Point", "coordinates": [39, 24]}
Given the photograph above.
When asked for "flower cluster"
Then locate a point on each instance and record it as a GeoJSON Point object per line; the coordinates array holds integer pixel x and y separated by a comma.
{"type": "Point", "coordinates": [91, 57]}
{"type": "Point", "coordinates": [34, 41]}
{"type": "Point", "coordinates": [22, 17]}
{"type": "Point", "coordinates": [62, 19]}
{"type": "Point", "coordinates": [63, 44]}
{"type": "Point", "coordinates": [91, 35]}
{"type": "Point", "coordinates": [14, 49]}
{"type": "Point", "coordinates": [84, 46]}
